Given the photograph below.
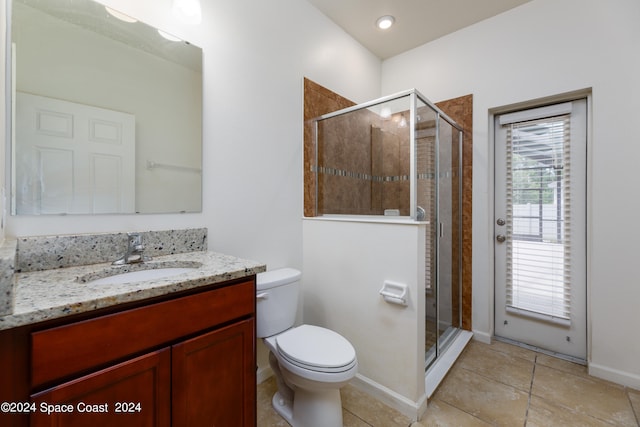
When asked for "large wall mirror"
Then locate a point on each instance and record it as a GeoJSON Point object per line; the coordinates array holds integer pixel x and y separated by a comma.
{"type": "Point", "coordinates": [107, 113]}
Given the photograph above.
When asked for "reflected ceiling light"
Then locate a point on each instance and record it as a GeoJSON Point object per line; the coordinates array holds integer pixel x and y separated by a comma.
{"type": "Point", "coordinates": [121, 16]}
{"type": "Point", "coordinates": [188, 11]}
{"type": "Point", "coordinates": [385, 112]}
{"type": "Point", "coordinates": [385, 22]}
{"type": "Point", "coordinates": [169, 37]}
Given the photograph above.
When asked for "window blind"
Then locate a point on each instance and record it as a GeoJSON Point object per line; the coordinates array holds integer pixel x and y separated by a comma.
{"type": "Point", "coordinates": [539, 218]}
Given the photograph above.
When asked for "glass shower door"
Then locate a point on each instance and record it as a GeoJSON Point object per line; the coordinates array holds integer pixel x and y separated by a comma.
{"type": "Point", "coordinates": [425, 137]}
{"type": "Point", "coordinates": [448, 232]}
{"type": "Point", "coordinates": [438, 160]}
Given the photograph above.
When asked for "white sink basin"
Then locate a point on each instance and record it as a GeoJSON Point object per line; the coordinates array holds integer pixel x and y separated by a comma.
{"type": "Point", "coordinates": [141, 275]}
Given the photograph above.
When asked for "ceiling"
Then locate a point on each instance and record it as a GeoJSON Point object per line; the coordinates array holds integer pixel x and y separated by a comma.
{"type": "Point", "coordinates": [416, 21]}
{"type": "Point", "coordinates": [92, 16]}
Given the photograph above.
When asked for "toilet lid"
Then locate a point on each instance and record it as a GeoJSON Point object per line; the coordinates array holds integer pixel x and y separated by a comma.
{"type": "Point", "coordinates": [313, 346]}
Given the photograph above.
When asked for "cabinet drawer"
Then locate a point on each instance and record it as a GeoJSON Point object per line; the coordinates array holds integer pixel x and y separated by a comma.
{"type": "Point", "coordinates": [65, 350]}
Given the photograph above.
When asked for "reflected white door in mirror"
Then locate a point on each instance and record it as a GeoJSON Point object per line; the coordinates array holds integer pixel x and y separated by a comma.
{"type": "Point", "coordinates": [73, 158]}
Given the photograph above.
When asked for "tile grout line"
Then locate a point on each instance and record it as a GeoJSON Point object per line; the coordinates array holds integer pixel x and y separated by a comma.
{"type": "Point", "coordinates": [491, 379]}
{"type": "Point", "coordinates": [533, 374]}
{"type": "Point", "coordinates": [633, 410]}
{"type": "Point", "coordinates": [488, 377]}
{"type": "Point", "coordinates": [356, 416]}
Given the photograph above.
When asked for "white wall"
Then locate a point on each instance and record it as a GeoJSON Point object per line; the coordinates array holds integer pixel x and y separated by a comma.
{"type": "Point", "coordinates": [254, 64]}
{"type": "Point", "coordinates": [345, 265]}
{"type": "Point", "coordinates": [544, 48]}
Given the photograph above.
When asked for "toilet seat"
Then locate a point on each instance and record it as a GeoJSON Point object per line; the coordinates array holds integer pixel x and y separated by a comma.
{"type": "Point", "coordinates": [316, 349]}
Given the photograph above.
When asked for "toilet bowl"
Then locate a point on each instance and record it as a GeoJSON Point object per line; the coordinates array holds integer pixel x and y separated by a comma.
{"type": "Point", "coordinates": [310, 363]}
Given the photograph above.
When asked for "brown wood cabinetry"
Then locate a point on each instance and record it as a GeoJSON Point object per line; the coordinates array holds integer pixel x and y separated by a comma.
{"type": "Point", "coordinates": [214, 378]}
{"type": "Point", "coordinates": [132, 393]}
{"type": "Point", "coordinates": [185, 361]}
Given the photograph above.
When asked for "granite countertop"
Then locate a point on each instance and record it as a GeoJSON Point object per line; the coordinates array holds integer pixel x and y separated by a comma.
{"type": "Point", "coordinates": [56, 293]}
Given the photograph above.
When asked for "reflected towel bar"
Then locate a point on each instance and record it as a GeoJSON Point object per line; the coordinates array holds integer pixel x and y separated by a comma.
{"type": "Point", "coordinates": [155, 165]}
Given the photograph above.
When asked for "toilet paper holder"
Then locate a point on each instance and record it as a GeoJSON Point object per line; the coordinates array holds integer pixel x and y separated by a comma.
{"type": "Point", "coordinates": [395, 293]}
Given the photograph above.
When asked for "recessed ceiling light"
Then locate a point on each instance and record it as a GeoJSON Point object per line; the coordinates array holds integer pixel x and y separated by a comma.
{"type": "Point", "coordinates": [121, 16]}
{"type": "Point", "coordinates": [385, 22]}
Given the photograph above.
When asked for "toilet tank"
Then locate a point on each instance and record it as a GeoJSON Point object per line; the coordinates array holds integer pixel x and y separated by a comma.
{"type": "Point", "coordinates": [276, 301]}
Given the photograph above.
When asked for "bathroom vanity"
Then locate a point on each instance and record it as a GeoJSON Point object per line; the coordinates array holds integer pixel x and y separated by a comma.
{"type": "Point", "coordinates": [179, 351]}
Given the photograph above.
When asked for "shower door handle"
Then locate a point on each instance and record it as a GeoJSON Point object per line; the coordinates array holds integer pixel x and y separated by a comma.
{"type": "Point", "coordinates": [501, 238]}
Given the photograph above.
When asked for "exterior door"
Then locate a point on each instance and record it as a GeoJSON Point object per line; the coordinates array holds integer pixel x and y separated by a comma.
{"type": "Point", "coordinates": [72, 158]}
{"type": "Point", "coordinates": [540, 227]}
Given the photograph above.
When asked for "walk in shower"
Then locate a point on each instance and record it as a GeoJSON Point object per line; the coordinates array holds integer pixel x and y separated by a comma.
{"type": "Point", "coordinates": [399, 158]}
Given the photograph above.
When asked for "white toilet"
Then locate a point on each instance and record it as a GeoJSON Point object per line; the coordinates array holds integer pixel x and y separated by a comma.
{"type": "Point", "coordinates": [310, 363]}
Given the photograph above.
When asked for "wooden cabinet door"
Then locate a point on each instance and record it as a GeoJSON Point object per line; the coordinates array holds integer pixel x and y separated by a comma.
{"type": "Point", "coordinates": [214, 378]}
{"type": "Point", "coordinates": [133, 393]}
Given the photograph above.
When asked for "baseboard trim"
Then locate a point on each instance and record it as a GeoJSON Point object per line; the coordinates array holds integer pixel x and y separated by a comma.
{"type": "Point", "coordinates": [482, 337]}
{"type": "Point", "coordinates": [408, 408]}
{"type": "Point", "coordinates": [263, 374]}
{"type": "Point", "coordinates": [614, 375]}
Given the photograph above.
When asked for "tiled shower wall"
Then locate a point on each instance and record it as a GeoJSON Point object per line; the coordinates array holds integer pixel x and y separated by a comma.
{"type": "Point", "coordinates": [363, 165]}
{"type": "Point", "coordinates": [344, 164]}
{"type": "Point", "coordinates": [461, 110]}
{"type": "Point", "coordinates": [390, 165]}
{"type": "Point", "coordinates": [319, 100]}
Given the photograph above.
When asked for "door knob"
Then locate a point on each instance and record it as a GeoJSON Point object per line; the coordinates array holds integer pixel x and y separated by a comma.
{"type": "Point", "coordinates": [500, 238]}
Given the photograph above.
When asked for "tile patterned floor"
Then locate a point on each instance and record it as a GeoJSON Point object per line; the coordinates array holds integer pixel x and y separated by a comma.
{"type": "Point", "coordinates": [495, 385]}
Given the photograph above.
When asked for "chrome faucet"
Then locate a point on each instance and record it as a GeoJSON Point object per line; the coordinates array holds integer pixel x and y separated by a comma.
{"type": "Point", "coordinates": [135, 250]}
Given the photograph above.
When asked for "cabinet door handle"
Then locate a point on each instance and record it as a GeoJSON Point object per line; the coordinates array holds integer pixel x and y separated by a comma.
{"type": "Point", "coordinates": [263, 295]}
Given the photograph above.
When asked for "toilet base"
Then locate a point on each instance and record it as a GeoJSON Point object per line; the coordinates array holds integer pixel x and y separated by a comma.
{"type": "Point", "coordinates": [318, 408]}
{"type": "Point", "coordinates": [303, 402]}
{"type": "Point", "coordinates": [283, 407]}
{"type": "Point", "coordinates": [310, 409]}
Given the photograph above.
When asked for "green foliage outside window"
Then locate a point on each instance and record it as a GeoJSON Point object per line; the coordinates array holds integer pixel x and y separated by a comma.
{"type": "Point", "coordinates": [533, 182]}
